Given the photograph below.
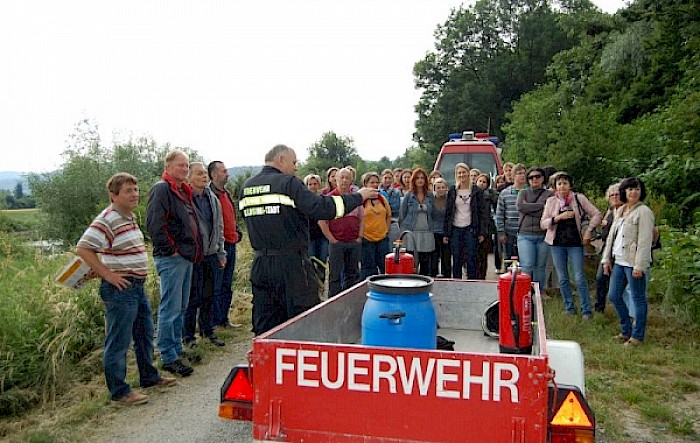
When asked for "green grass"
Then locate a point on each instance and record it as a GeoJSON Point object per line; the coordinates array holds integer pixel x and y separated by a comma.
{"type": "Point", "coordinates": [657, 381]}
{"type": "Point", "coordinates": [26, 221]}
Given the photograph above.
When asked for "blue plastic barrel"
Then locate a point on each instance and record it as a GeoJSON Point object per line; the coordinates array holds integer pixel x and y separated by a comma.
{"type": "Point", "coordinates": [399, 313]}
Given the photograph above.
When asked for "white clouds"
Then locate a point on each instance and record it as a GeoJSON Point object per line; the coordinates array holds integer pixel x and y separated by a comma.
{"type": "Point", "coordinates": [228, 78]}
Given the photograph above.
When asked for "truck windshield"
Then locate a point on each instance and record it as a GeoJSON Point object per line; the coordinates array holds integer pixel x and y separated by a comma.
{"type": "Point", "coordinates": [483, 161]}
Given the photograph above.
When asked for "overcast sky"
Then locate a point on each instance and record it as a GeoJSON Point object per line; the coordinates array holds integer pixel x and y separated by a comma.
{"type": "Point", "coordinates": [228, 78]}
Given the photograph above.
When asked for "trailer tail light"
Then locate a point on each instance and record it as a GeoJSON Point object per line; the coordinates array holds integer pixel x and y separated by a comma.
{"type": "Point", "coordinates": [571, 419]}
{"type": "Point", "coordinates": [237, 395]}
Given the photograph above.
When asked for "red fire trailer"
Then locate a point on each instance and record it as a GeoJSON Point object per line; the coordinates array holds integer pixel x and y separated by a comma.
{"type": "Point", "coordinates": [310, 380]}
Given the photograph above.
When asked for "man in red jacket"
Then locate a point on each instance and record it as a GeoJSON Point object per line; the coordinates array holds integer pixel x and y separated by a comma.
{"type": "Point", "coordinates": [177, 244]}
{"type": "Point", "coordinates": [223, 294]}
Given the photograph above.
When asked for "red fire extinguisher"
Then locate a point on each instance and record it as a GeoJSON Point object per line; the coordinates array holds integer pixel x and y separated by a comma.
{"type": "Point", "coordinates": [515, 312]}
{"type": "Point", "coordinates": [399, 261]}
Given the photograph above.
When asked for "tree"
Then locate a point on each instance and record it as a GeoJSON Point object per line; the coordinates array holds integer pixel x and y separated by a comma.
{"type": "Point", "coordinates": [331, 150]}
{"type": "Point", "coordinates": [71, 197]}
{"type": "Point", "coordinates": [486, 57]}
{"type": "Point", "coordinates": [19, 191]}
{"type": "Point", "coordinates": [623, 102]}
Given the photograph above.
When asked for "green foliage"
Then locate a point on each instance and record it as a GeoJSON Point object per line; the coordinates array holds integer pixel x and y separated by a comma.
{"type": "Point", "coordinates": [25, 221]}
{"type": "Point", "coordinates": [19, 191]}
{"type": "Point", "coordinates": [675, 273]}
{"type": "Point", "coordinates": [330, 150]}
{"type": "Point", "coordinates": [50, 336]}
{"type": "Point", "coordinates": [623, 102]}
{"type": "Point", "coordinates": [486, 57]}
{"type": "Point", "coordinates": [72, 196]}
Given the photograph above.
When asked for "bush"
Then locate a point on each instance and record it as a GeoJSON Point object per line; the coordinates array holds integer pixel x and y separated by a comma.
{"type": "Point", "coordinates": [50, 336]}
{"type": "Point", "coordinates": [675, 273]}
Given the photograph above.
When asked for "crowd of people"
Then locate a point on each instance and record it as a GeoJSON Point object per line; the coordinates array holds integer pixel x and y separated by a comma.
{"type": "Point", "coordinates": [532, 215]}
{"type": "Point", "coordinates": [529, 214]}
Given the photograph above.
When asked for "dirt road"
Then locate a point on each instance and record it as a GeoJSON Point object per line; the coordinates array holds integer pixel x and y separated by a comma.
{"type": "Point", "coordinates": [186, 413]}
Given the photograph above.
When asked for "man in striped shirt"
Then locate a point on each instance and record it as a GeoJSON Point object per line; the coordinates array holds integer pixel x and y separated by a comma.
{"type": "Point", "coordinates": [123, 266]}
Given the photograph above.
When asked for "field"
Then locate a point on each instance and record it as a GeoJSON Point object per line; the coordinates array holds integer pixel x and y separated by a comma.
{"type": "Point", "coordinates": [21, 220]}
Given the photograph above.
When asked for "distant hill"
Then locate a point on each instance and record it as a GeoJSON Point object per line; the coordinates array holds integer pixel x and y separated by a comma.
{"type": "Point", "coordinates": [240, 170]}
{"type": "Point", "coordinates": [9, 179]}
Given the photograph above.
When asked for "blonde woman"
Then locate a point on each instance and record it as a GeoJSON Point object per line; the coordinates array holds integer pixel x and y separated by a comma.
{"type": "Point", "coordinates": [442, 254]}
{"type": "Point", "coordinates": [466, 222]}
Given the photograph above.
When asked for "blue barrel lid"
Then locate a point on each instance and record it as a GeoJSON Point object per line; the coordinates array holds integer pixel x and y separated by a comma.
{"type": "Point", "coordinates": [400, 283]}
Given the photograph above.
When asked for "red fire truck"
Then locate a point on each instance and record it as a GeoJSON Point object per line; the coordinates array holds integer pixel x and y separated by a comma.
{"type": "Point", "coordinates": [477, 150]}
{"type": "Point", "coordinates": [311, 380]}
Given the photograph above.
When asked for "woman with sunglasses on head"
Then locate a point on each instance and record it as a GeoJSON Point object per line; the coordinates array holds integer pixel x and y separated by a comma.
{"type": "Point", "coordinates": [627, 257]}
{"type": "Point", "coordinates": [532, 249]}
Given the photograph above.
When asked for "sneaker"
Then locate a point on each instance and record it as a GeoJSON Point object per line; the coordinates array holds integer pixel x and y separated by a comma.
{"type": "Point", "coordinates": [230, 325]}
{"type": "Point", "coordinates": [622, 337]}
{"type": "Point", "coordinates": [570, 312]}
{"type": "Point", "coordinates": [190, 344]}
{"type": "Point", "coordinates": [178, 368]}
{"type": "Point", "coordinates": [633, 342]}
{"type": "Point", "coordinates": [163, 382]}
{"type": "Point", "coordinates": [587, 317]}
{"type": "Point", "coordinates": [131, 399]}
{"type": "Point", "coordinates": [192, 357]}
{"type": "Point", "coordinates": [216, 340]}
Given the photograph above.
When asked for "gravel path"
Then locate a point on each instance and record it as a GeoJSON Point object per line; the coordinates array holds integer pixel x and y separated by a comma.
{"type": "Point", "coordinates": [185, 413]}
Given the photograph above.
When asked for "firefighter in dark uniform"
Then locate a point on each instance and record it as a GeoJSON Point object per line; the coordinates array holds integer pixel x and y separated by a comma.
{"type": "Point", "coordinates": [276, 206]}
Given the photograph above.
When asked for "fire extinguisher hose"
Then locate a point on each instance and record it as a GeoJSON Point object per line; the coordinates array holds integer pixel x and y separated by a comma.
{"type": "Point", "coordinates": [514, 320]}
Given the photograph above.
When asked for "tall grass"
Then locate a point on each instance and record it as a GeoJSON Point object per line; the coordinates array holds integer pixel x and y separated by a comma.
{"type": "Point", "coordinates": [50, 337]}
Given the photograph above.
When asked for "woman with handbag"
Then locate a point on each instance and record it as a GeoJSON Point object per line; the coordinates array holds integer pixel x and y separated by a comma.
{"type": "Point", "coordinates": [629, 245]}
{"type": "Point", "coordinates": [563, 218]}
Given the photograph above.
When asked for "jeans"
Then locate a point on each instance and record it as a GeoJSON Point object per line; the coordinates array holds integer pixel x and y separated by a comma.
{"type": "Point", "coordinates": [204, 280]}
{"type": "Point", "coordinates": [463, 242]}
{"type": "Point", "coordinates": [373, 256]}
{"type": "Point", "coordinates": [343, 258]}
{"type": "Point", "coordinates": [128, 317]}
{"type": "Point", "coordinates": [620, 277]}
{"type": "Point", "coordinates": [223, 294]}
{"type": "Point", "coordinates": [175, 279]}
{"type": "Point", "coordinates": [443, 256]}
{"type": "Point", "coordinates": [510, 248]}
{"type": "Point", "coordinates": [602, 284]}
{"type": "Point", "coordinates": [533, 253]}
{"type": "Point", "coordinates": [319, 248]}
{"type": "Point", "coordinates": [562, 256]}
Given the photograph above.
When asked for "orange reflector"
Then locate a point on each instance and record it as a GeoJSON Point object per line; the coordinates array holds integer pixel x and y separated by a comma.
{"type": "Point", "coordinates": [236, 411]}
{"type": "Point", "coordinates": [570, 435]}
{"type": "Point", "coordinates": [240, 388]}
{"type": "Point", "coordinates": [571, 413]}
